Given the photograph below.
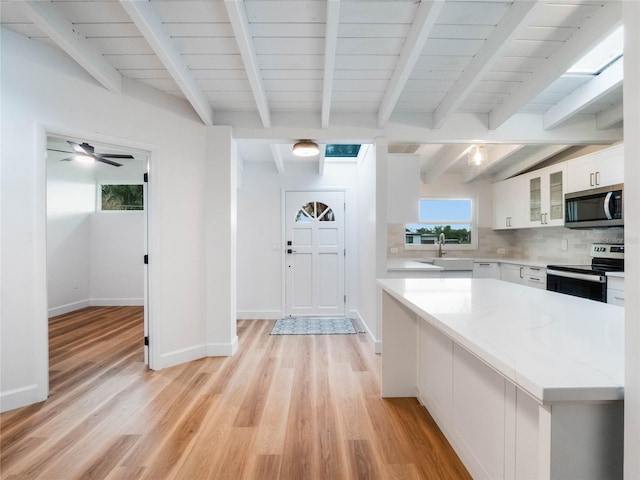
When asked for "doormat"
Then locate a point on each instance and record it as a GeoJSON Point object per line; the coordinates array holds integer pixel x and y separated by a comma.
{"type": "Point", "coordinates": [313, 326]}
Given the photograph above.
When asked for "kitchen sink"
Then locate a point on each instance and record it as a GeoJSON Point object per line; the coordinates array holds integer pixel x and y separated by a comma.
{"type": "Point", "coordinates": [451, 263]}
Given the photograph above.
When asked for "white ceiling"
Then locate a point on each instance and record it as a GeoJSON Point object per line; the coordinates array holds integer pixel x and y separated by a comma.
{"type": "Point", "coordinates": [431, 77]}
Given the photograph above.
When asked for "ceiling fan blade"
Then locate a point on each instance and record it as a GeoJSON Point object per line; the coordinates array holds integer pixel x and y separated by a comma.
{"type": "Point", "coordinates": [66, 159]}
{"type": "Point", "coordinates": [83, 148]}
{"type": "Point", "coordinates": [108, 162]}
{"type": "Point", "coordinates": [114, 155]}
{"type": "Point", "coordinates": [61, 151]}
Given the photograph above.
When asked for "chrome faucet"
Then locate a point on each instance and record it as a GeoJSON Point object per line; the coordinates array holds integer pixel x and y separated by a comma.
{"type": "Point", "coordinates": [440, 244]}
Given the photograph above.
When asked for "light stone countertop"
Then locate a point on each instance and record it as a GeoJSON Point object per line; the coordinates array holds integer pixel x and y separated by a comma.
{"type": "Point", "coordinates": [556, 347]}
{"type": "Point", "coordinates": [403, 264]}
{"type": "Point", "coordinates": [397, 263]}
{"type": "Point", "coordinates": [615, 274]}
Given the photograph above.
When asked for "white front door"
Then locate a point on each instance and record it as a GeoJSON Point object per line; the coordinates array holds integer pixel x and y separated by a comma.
{"type": "Point", "coordinates": [314, 253]}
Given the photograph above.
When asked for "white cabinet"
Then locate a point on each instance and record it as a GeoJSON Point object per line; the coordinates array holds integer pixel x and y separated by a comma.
{"type": "Point", "coordinates": [486, 270]}
{"type": "Point", "coordinates": [546, 196]}
{"type": "Point", "coordinates": [599, 169]}
{"type": "Point", "coordinates": [524, 275]}
{"type": "Point", "coordinates": [509, 203]}
{"type": "Point", "coordinates": [615, 291]}
{"type": "Point", "coordinates": [535, 199]}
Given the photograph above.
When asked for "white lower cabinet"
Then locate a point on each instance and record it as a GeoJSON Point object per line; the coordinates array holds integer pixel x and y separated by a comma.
{"type": "Point", "coordinates": [499, 431]}
{"type": "Point", "coordinates": [524, 275]}
{"type": "Point", "coordinates": [486, 270]}
{"type": "Point", "coordinates": [615, 291]}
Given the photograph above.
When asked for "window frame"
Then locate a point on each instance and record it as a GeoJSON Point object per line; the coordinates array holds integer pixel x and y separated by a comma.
{"type": "Point", "coordinates": [451, 246]}
{"type": "Point", "coordinates": [106, 182]}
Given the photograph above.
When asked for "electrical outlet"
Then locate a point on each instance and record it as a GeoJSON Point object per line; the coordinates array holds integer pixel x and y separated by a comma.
{"type": "Point", "coordinates": [393, 250]}
{"type": "Point", "coordinates": [564, 245]}
{"type": "Point", "coordinates": [501, 251]}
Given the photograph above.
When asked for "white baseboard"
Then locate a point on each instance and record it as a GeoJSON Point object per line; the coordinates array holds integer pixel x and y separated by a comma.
{"type": "Point", "coordinates": [196, 352]}
{"type": "Point", "coordinates": [95, 302]}
{"type": "Point", "coordinates": [258, 314]}
{"type": "Point", "coordinates": [20, 397]}
{"type": "Point", "coordinates": [376, 343]}
{"type": "Point", "coordinates": [184, 355]}
{"type": "Point", "coordinates": [69, 307]}
{"type": "Point", "coordinates": [222, 349]}
{"type": "Point", "coordinates": [117, 302]}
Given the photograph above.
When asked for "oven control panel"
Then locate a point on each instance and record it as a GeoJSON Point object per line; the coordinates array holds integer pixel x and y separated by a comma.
{"type": "Point", "coordinates": [606, 250]}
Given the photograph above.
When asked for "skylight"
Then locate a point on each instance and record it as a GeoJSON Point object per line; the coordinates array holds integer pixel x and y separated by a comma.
{"type": "Point", "coordinates": [341, 151]}
{"type": "Point", "coordinates": [609, 50]}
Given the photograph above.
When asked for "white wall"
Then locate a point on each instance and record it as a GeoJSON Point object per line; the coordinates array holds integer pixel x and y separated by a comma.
{"type": "Point", "coordinates": [42, 91]}
{"type": "Point", "coordinates": [366, 230]}
{"type": "Point", "coordinates": [632, 238]}
{"type": "Point", "coordinates": [70, 203]}
{"type": "Point", "coordinates": [260, 230]}
{"type": "Point", "coordinates": [117, 250]}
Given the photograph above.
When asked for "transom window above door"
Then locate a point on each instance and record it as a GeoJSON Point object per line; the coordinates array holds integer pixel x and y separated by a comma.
{"type": "Point", "coordinates": [315, 211]}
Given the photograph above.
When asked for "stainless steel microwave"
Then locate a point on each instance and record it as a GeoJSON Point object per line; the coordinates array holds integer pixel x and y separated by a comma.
{"type": "Point", "coordinates": [596, 208]}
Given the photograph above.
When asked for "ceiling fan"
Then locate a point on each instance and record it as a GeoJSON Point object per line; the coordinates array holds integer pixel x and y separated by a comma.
{"type": "Point", "coordinates": [86, 153]}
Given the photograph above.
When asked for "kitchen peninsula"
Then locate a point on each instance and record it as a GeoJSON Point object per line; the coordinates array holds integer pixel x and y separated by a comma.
{"type": "Point", "coordinates": [525, 383]}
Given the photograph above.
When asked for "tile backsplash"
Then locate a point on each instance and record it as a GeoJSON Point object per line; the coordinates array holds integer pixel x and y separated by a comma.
{"type": "Point", "coordinates": [543, 245]}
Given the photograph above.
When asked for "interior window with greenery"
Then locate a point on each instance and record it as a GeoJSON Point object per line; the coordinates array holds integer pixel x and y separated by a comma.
{"type": "Point", "coordinates": [452, 217]}
{"type": "Point", "coordinates": [121, 197]}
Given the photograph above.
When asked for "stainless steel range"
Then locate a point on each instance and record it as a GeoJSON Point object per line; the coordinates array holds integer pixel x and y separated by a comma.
{"type": "Point", "coordinates": [587, 281]}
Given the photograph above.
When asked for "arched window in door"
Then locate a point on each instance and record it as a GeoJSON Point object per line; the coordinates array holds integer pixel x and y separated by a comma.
{"type": "Point", "coordinates": [315, 211]}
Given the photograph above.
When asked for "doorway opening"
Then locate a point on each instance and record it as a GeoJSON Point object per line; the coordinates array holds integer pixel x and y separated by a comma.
{"type": "Point", "coordinates": [96, 223]}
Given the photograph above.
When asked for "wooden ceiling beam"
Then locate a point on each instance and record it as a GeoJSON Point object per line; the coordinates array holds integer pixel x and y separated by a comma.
{"type": "Point", "coordinates": [240, 26]}
{"type": "Point", "coordinates": [587, 94]}
{"type": "Point", "coordinates": [146, 20]}
{"type": "Point", "coordinates": [330, 46]}
{"type": "Point", "coordinates": [610, 117]}
{"type": "Point", "coordinates": [443, 162]}
{"type": "Point", "coordinates": [63, 34]}
{"type": "Point", "coordinates": [530, 161]}
{"type": "Point", "coordinates": [277, 157]}
{"type": "Point", "coordinates": [496, 155]}
{"type": "Point", "coordinates": [588, 36]}
{"type": "Point", "coordinates": [426, 17]}
{"type": "Point", "coordinates": [499, 40]}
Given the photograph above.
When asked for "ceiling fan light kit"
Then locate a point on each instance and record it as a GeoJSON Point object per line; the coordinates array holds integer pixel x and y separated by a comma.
{"type": "Point", "coordinates": [305, 148]}
{"type": "Point", "coordinates": [86, 154]}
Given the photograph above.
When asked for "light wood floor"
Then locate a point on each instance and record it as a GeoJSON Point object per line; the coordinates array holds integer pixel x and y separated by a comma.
{"type": "Point", "coordinates": [284, 407]}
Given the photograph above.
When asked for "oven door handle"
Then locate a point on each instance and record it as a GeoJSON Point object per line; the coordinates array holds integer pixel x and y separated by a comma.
{"type": "Point", "coordinates": [578, 276]}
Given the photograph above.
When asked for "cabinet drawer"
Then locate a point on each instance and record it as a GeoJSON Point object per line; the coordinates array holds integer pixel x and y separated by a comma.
{"type": "Point", "coordinates": [615, 297]}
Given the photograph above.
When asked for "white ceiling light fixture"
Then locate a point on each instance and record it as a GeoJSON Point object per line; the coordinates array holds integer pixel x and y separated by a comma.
{"type": "Point", "coordinates": [305, 148]}
{"type": "Point", "coordinates": [477, 155]}
{"type": "Point", "coordinates": [83, 158]}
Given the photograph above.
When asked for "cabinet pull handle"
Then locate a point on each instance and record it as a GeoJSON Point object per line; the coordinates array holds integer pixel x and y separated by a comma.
{"type": "Point", "coordinates": [484, 264]}
{"type": "Point", "coordinates": [591, 179]}
{"type": "Point", "coordinates": [535, 268]}
{"type": "Point", "coordinates": [535, 279]}
{"type": "Point", "coordinates": [597, 178]}
{"type": "Point", "coordinates": [521, 273]}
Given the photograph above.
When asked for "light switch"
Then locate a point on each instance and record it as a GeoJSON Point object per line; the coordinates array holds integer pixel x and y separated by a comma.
{"type": "Point", "coordinates": [393, 250]}
{"type": "Point", "coordinates": [564, 245]}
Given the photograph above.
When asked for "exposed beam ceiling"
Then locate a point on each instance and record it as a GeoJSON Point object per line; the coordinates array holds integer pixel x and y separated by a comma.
{"type": "Point", "coordinates": [420, 28]}
{"type": "Point", "coordinates": [499, 40]}
{"type": "Point", "coordinates": [496, 154]}
{"type": "Point", "coordinates": [277, 157]}
{"type": "Point", "coordinates": [63, 33]}
{"type": "Point", "coordinates": [610, 117]}
{"type": "Point", "coordinates": [530, 161]}
{"type": "Point", "coordinates": [147, 21]}
{"type": "Point", "coordinates": [443, 162]}
{"type": "Point", "coordinates": [589, 93]}
{"type": "Point", "coordinates": [240, 25]}
{"type": "Point", "coordinates": [330, 45]}
{"type": "Point", "coordinates": [593, 31]}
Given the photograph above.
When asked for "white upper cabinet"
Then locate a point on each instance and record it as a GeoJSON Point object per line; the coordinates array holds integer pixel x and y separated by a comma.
{"type": "Point", "coordinates": [546, 196]}
{"type": "Point", "coordinates": [535, 199]}
{"type": "Point", "coordinates": [599, 169]}
{"type": "Point", "coordinates": [509, 203]}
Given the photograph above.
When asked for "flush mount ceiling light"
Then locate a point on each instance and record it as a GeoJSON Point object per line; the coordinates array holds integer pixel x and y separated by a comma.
{"type": "Point", "coordinates": [477, 155]}
{"type": "Point", "coordinates": [305, 148]}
